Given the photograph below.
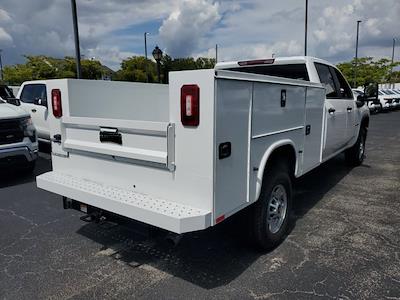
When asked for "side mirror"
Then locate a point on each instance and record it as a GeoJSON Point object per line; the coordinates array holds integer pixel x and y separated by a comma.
{"type": "Point", "coordinates": [14, 101]}
{"type": "Point", "coordinates": [40, 101]}
{"type": "Point", "coordinates": [361, 99]}
{"type": "Point", "coordinates": [371, 92]}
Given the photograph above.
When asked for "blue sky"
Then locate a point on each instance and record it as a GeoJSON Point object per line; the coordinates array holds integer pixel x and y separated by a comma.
{"type": "Point", "coordinates": [112, 30]}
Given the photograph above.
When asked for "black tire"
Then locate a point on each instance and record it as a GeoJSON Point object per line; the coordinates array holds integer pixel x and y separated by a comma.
{"type": "Point", "coordinates": [275, 176]}
{"type": "Point", "coordinates": [356, 154]}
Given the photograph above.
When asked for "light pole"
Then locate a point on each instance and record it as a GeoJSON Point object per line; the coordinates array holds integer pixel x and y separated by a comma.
{"type": "Point", "coordinates": [145, 56]}
{"type": "Point", "coordinates": [391, 70]}
{"type": "Point", "coordinates": [356, 58]}
{"type": "Point", "coordinates": [305, 29]}
{"type": "Point", "coordinates": [76, 36]}
{"type": "Point", "coordinates": [216, 53]}
{"type": "Point", "coordinates": [1, 65]}
{"type": "Point", "coordinates": [157, 54]}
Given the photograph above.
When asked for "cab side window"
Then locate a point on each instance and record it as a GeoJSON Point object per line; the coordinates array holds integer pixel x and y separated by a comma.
{"type": "Point", "coordinates": [327, 79]}
{"type": "Point", "coordinates": [344, 88]}
{"type": "Point", "coordinates": [32, 92]}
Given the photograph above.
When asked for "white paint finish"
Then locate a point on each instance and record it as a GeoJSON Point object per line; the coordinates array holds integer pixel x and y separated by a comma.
{"type": "Point", "coordinates": [233, 101]}
{"type": "Point", "coordinates": [117, 151]}
{"type": "Point", "coordinates": [351, 119]}
{"type": "Point", "coordinates": [269, 116]}
{"type": "Point", "coordinates": [194, 146]}
{"type": "Point", "coordinates": [314, 118]}
{"type": "Point", "coordinates": [9, 111]}
{"type": "Point", "coordinates": [336, 126]}
{"type": "Point", "coordinates": [38, 113]}
{"type": "Point", "coordinates": [277, 132]}
{"type": "Point", "coordinates": [153, 128]}
{"type": "Point", "coordinates": [118, 100]}
{"type": "Point", "coordinates": [189, 183]}
{"type": "Point", "coordinates": [55, 125]}
{"type": "Point", "coordinates": [194, 176]}
{"type": "Point", "coordinates": [261, 150]}
{"type": "Point", "coordinates": [126, 202]}
{"type": "Point", "coordinates": [242, 76]}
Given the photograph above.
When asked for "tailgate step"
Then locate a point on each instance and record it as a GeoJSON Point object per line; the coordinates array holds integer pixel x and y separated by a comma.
{"type": "Point", "coordinates": [162, 213]}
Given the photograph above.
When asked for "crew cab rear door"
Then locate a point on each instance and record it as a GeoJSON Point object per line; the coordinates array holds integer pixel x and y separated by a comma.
{"type": "Point", "coordinates": [346, 96]}
{"type": "Point", "coordinates": [335, 122]}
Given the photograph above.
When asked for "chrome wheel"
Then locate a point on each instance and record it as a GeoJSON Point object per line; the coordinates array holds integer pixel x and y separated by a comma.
{"type": "Point", "coordinates": [277, 207]}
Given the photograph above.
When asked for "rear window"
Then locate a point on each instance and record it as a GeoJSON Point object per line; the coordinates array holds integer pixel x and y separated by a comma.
{"type": "Point", "coordinates": [292, 71]}
{"type": "Point", "coordinates": [32, 92]}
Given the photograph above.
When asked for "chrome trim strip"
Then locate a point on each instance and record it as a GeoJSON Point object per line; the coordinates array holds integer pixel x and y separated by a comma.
{"type": "Point", "coordinates": [277, 132]}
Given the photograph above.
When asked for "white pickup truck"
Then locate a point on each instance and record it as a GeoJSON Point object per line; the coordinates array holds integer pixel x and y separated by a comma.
{"type": "Point", "coordinates": [33, 97]}
{"type": "Point", "coordinates": [18, 139]}
{"type": "Point", "coordinates": [188, 155]}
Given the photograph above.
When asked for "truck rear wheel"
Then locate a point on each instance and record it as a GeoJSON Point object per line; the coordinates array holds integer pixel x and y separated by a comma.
{"type": "Point", "coordinates": [356, 154]}
{"type": "Point", "coordinates": [272, 211]}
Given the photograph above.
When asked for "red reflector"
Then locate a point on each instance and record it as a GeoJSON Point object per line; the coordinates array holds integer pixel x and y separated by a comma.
{"type": "Point", "coordinates": [56, 103]}
{"type": "Point", "coordinates": [190, 105]}
{"type": "Point", "coordinates": [220, 219]}
{"type": "Point", "coordinates": [256, 62]}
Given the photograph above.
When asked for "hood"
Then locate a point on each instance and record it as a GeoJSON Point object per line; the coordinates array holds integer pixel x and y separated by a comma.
{"type": "Point", "coordinates": [8, 111]}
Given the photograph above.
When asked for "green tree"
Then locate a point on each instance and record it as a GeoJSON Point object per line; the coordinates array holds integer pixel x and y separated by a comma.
{"type": "Point", "coordinates": [368, 70]}
{"type": "Point", "coordinates": [15, 75]}
{"type": "Point", "coordinates": [134, 69]}
{"type": "Point", "coordinates": [91, 69]}
{"type": "Point", "coordinates": [45, 67]}
{"type": "Point", "coordinates": [188, 63]}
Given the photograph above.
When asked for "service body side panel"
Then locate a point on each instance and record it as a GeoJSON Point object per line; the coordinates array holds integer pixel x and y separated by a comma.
{"type": "Point", "coordinates": [256, 114]}
{"type": "Point", "coordinates": [233, 105]}
{"type": "Point", "coordinates": [275, 124]}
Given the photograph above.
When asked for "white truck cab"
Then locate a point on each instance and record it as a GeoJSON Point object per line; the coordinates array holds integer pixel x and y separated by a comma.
{"type": "Point", "coordinates": [33, 97]}
{"type": "Point", "coordinates": [188, 155]}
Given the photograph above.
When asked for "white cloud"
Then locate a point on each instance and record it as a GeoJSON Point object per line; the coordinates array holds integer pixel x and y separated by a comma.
{"type": "Point", "coordinates": [110, 56]}
{"type": "Point", "coordinates": [4, 16]}
{"type": "Point", "coordinates": [186, 26]}
{"type": "Point", "coordinates": [113, 29]}
{"type": "Point", "coordinates": [5, 37]}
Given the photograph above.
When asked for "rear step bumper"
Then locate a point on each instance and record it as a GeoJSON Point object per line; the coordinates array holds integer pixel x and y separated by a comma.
{"type": "Point", "coordinates": [161, 213]}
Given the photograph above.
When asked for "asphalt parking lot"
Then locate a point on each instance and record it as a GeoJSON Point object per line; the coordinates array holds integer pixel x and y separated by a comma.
{"type": "Point", "coordinates": [345, 242]}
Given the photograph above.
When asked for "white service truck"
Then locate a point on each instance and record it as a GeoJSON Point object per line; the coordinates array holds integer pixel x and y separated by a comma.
{"type": "Point", "coordinates": [188, 155]}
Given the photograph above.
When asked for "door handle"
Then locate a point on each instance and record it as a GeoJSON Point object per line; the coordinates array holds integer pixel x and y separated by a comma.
{"type": "Point", "coordinates": [349, 109]}
{"type": "Point", "coordinates": [34, 110]}
{"type": "Point", "coordinates": [331, 111]}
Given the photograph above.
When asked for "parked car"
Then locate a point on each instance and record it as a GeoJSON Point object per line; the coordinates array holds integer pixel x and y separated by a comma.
{"type": "Point", "coordinates": [385, 101]}
{"type": "Point", "coordinates": [33, 97]}
{"type": "Point", "coordinates": [395, 97]}
{"type": "Point", "coordinates": [373, 105]}
{"type": "Point", "coordinates": [188, 155]}
{"type": "Point", "coordinates": [18, 140]}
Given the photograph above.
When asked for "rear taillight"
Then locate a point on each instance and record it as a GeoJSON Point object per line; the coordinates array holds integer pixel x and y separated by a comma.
{"type": "Point", "coordinates": [56, 103]}
{"type": "Point", "coordinates": [190, 105]}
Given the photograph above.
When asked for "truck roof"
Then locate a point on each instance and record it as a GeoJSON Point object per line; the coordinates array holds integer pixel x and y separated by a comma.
{"type": "Point", "coordinates": [274, 61]}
